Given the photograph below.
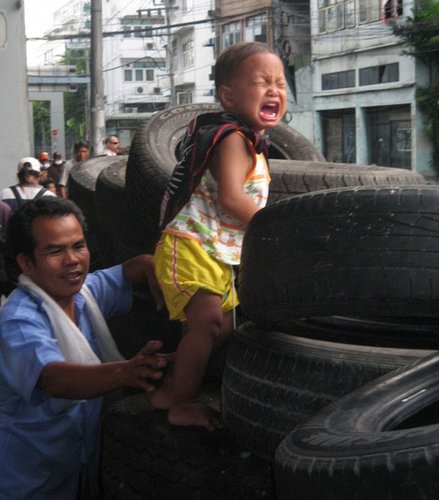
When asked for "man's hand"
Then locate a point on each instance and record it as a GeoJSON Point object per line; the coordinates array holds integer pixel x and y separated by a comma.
{"type": "Point", "coordinates": [77, 381]}
{"type": "Point", "coordinates": [146, 365]}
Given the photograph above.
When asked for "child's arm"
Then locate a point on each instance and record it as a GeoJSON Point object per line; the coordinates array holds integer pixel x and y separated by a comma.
{"type": "Point", "coordinates": [233, 164]}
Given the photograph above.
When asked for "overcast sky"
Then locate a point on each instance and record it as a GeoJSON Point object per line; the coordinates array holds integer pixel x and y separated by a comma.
{"type": "Point", "coordinates": [38, 19]}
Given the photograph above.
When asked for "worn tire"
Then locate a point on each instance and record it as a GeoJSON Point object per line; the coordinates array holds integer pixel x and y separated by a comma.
{"type": "Point", "coordinates": [291, 177]}
{"type": "Point", "coordinates": [406, 333]}
{"type": "Point", "coordinates": [380, 442]}
{"type": "Point", "coordinates": [117, 228]}
{"type": "Point", "coordinates": [82, 183]}
{"type": "Point", "coordinates": [82, 188]}
{"type": "Point", "coordinates": [356, 252]}
{"type": "Point", "coordinates": [144, 457]}
{"type": "Point", "coordinates": [273, 381]}
{"type": "Point", "coordinates": [153, 155]}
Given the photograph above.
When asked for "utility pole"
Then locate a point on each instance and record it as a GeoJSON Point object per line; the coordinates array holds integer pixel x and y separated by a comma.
{"type": "Point", "coordinates": [170, 53]}
{"type": "Point", "coordinates": [97, 119]}
{"type": "Point", "coordinates": [169, 47]}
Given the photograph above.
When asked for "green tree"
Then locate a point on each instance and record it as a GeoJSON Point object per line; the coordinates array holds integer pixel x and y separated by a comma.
{"type": "Point", "coordinates": [420, 35]}
{"type": "Point", "coordinates": [75, 103]}
{"type": "Point", "coordinates": [42, 132]}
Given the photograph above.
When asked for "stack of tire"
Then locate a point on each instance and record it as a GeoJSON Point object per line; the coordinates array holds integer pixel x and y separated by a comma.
{"type": "Point", "coordinates": [141, 454]}
{"type": "Point", "coordinates": [338, 289]}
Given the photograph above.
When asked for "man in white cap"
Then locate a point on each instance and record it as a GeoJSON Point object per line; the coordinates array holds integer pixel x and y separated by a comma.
{"type": "Point", "coordinates": [28, 187]}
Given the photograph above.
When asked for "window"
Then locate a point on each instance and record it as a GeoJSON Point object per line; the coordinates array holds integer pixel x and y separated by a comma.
{"type": "Point", "coordinates": [336, 15]}
{"type": "Point", "coordinates": [188, 53]}
{"type": "Point", "coordinates": [142, 71]}
{"type": "Point", "coordinates": [187, 5]}
{"type": "Point", "coordinates": [256, 29]}
{"type": "Point", "coordinates": [391, 9]}
{"type": "Point", "coordinates": [349, 14]}
{"type": "Point", "coordinates": [338, 80]}
{"type": "Point", "coordinates": [138, 27]}
{"type": "Point", "coordinates": [369, 11]}
{"type": "Point", "coordinates": [184, 97]}
{"type": "Point", "coordinates": [384, 73]}
{"type": "Point", "coordinates": [231, 34]}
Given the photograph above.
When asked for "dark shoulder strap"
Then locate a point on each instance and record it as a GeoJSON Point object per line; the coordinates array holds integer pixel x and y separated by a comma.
{"type": "Point", "coordinates": [17, 195]}
{"type": "Point", "coordinates": [40, 193]}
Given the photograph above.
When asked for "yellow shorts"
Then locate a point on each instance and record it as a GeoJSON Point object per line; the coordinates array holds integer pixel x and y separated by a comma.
{"type": "Point", "coordinates": [183, 267]}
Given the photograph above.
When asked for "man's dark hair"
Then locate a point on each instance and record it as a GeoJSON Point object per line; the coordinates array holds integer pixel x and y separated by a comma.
{"type": "Point", "coordinates": [79, 145]}
{"type": "Point", "coordinates": [20, 237]}
{"type": "Point", "coordinates": [108, 138]}
{"type": "Point", "coordinates": [24, 173]}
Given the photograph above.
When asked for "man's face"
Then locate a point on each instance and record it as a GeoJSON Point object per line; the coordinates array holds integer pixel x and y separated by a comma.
{"type": "Point", "coordinates": [61, 257]}
{"type": "Point", "coordinates": [32, 177]}
{"type": "Point", "coordinates": [82, 154]}
{"type": "Point", "coordinates": [113, 144]}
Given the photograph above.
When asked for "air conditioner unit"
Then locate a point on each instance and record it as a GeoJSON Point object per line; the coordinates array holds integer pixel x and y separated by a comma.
{"type": "Point", "coordinates": [210, 42]}
{"type": "Point", "coordinates": [157, 90]}
{"type": "Point", "coordinates": [139, 90]}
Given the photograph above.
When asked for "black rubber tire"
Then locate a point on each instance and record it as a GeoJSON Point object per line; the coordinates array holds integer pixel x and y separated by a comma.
{"type": "Point", "coordinates": [407, 333]}
{"type": "Point", "coordinates": [380, 442]}
{"type": "Point", "coordinates": [153, 155]}
{"type": "Point", "coordinates": [356, 252]}
{"type": "Point", "coordinates": [82, 188]}
{"type": "Point", "coordinates": [144, 457]}
{"type": "Point", "coordinates": [117, 230]}
{"type": "Point", "coordinates": [82, 183]}
{"type": "Point", "coordinates": [273, 381]}
{"type": "Point", "coordinates": [291, 177]}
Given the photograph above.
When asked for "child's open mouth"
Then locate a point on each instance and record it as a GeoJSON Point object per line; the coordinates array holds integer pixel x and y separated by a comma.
{"type": "Point", "coordinates": [270, 111]}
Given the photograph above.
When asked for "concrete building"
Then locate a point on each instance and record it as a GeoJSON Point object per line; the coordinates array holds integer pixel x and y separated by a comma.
{"type": "Point", "coordinates": [352, 91]}
{"type": "Point", "coordinates": [134, 64]}
{"type": "Point", "coordinates": [364, 88]}
{"type": "Point", "coordinates": [15, 118]}
{"type": "Point", "coordinates": [192, 50]}
{"type": "Point", "coordinates": [285, 26]}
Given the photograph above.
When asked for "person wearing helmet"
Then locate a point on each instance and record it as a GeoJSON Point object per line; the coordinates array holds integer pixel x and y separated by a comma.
{"type": "Point", "coordinates": [45, 164]}
{"type": "Point", "coordinates": [28, 188]}
{"type": "Point", "coordinates": [44, 159]}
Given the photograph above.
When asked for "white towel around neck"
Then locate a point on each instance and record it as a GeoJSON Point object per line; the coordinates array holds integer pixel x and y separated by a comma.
{"type": "Point", "coordinates": [72, 342]}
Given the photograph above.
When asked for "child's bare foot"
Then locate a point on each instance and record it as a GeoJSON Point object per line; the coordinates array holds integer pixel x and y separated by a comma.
{"type": "Point", "coordinates": [193, 413]}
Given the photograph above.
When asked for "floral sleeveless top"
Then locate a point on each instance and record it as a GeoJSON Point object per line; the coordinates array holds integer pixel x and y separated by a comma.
{"type": "Point", "coordinates": [203, 220]}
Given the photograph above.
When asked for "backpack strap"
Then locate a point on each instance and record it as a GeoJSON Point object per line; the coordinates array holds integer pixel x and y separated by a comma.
{"type": "Point", "coordinates": [19, 199]}
{"type": "Point", "coordinates": [40, 193]}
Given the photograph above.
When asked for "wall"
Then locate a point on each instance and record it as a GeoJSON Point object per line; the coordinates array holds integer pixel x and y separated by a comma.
{"type": "Point", "coordinates": [14, 124]}
{"type": "Point", "coordinates": [232, 7]}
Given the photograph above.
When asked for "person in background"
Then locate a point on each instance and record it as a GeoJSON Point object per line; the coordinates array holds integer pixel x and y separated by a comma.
{"type": "Point", "coordinates": [28, 187]}
{"type": "Point", "coordinates": [45, 164]}
{"type": "Point", "coordinates": [111, 145]}
{"type": "Point", "coordinates": [57, 356]}
{"type": "Point", "coordinates": [49, 184]}
{"type": "Point", "coordinates": [81, 152]}
{"type": "Point", "coordinates": [44, 159]}
{"type": "Point", "coordinates": [217, 187]}
{"type": "Point", "coordinates": [56, 170]}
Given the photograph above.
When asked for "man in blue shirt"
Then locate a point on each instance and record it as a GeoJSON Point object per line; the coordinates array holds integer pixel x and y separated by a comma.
{"type": "Point", "coordinates": [53, 339]}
